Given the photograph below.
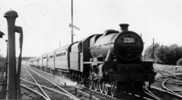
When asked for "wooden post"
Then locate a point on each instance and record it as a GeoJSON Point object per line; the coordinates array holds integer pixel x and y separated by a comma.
{"type": "Point", "coordinates": [11, 17]}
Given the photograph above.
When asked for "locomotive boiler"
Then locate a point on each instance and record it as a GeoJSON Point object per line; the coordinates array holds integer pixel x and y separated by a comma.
{"type": "Point", "coordinates": [127, 46]}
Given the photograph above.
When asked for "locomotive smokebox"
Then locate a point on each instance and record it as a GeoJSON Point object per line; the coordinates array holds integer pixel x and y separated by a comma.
{"type": "Point", "coordinates": [124, 27]}
{"type": "Point", "coordinates": [128, 46]}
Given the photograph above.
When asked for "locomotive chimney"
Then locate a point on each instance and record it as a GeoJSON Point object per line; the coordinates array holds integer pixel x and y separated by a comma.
{"type": "Point", "coordinates": [124, 27]}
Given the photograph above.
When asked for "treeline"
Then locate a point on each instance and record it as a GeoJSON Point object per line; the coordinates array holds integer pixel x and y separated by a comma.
{"type": "Point", "coordinates": [27, 58]}
{"type": "Point", "coordinates": [3, 60]}
{"type": "Point", "coordinates": [164, 54]}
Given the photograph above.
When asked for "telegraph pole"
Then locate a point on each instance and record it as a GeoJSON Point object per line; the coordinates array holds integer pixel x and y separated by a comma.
{"type": "Point", "coordinates": [71, 25]}
{"type": "Point", "coordinates": [12, 92]}
{"type": "Point", "coordinates": [72, 30]}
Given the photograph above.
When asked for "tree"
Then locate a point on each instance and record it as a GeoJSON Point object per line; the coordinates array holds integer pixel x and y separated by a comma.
{"type": "Point", "coordinates": [164, 54]}
{"type": "Point", "coordinates": [150, 52]}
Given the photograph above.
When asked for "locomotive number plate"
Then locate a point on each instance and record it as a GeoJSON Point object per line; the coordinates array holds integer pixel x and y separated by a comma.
{"type": "Point", "coordinates": [128, 40]}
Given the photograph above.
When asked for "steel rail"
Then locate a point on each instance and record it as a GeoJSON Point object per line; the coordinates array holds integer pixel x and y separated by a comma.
{"type": "Point", "coordinates": [162, 90]}
{"type": "Point", "coordinates": [177, 80]}
{"type": "Point", "coordinates": [48, 88]}
{"type": "Point", "coordinates": [137, 95]}
{"type": "Point", "coordinates": [34, 91]}
{"type": "Point", "coordinates": [148, 92]}
{"type": "Point", "coordinates": [169, 90]}
{"type": "Point", "coordinates": [42, 90]}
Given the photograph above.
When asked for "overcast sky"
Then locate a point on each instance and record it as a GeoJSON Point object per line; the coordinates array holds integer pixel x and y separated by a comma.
{"type": "Point", "coordinates": [45, 22]}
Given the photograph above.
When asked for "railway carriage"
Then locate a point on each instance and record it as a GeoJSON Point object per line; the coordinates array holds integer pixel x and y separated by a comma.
{"type": "Point", "coordinates": [74, 53]}
{"type": "Point", "coordinates": [45, 62]}
{"type": "Point", "coordinates": [61, 59]}
{"type": "Point", "coordinates": [40, 62]}
{"type": "Point", "coordinates": [51, 61]}
{"type": "Point", "coordinates": [37, 62]}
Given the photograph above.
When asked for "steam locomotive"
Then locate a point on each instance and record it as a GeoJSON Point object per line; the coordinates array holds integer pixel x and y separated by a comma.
{"type": "Point", "coordinates": [105, 62]}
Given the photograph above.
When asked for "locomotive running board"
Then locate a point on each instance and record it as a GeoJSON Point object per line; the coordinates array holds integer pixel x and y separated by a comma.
{"type": "Point", "coordinates": [63, 70]}
{"type": "Point", "coordinates": [98, 62]}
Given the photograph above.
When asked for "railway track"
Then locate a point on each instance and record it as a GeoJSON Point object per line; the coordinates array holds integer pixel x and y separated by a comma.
{"type": "Point", "coordinates": [83, 93]}
{"type": "Point", "coordinates": [46, 90]}
{"type": "Point", "coordinates": [96, 95]}
{"type": "Point", "coordinates": [146, 94]}
{"type": "Point", "coordinates": [150, 95]}
{"type": "Point", "coordinates": [173, 86]}
{"type": "Point", "coordinates": [167, 88]}
{"type": "Point", "coordinates": [55, 91]}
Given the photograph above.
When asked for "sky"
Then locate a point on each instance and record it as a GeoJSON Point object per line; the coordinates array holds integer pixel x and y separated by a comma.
{"type": "Point", "coordinates": [46, 22]}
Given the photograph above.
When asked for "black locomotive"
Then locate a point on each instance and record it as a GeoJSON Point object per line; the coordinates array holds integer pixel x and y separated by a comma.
{"type": "Point", "coordinates": [105, 62]}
